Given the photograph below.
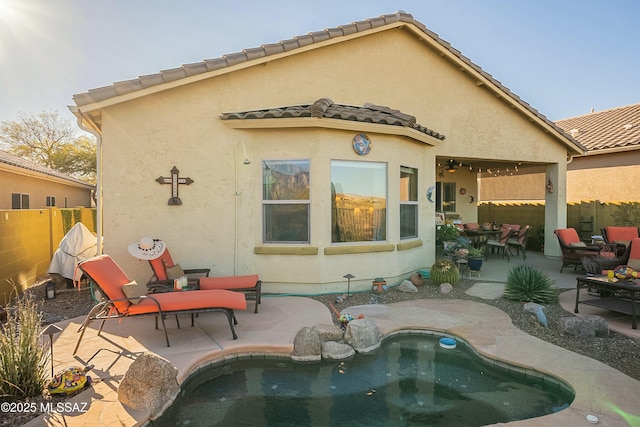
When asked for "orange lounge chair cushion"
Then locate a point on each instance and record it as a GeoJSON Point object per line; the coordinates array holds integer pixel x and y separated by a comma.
{"type": "Point", "coordinates": [568, 236]}
{"type": "Point", "coordinates": [190, 301]}
{"type": "Point", "coordinates": [110, 277]}
{"type": "Point", "coordinates": [621, 233]}
{"type": "Point", "coordinates": [232, 282]}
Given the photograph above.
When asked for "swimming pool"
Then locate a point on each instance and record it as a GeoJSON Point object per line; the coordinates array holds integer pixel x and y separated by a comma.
{"type": "Point", "coordinates": [409, 381]}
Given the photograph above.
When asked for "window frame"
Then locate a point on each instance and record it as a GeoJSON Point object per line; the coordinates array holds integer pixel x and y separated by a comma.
{"type": "Point", "coordinates": [412, 200]}
{"type": "Point", "coordinates": [284, 202]}
{"type": "Point", "coordinates": [23, 201]}
{"type": "Point", "coordinates": [357, 211]}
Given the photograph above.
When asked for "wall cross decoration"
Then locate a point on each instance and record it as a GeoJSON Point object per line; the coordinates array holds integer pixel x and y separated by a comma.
{"type": "Point", "coordinates": [174, 180]}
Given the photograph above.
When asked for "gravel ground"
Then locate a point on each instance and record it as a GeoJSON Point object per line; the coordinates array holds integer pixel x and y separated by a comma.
{"type": "Point", "coordinates": [616, 350]}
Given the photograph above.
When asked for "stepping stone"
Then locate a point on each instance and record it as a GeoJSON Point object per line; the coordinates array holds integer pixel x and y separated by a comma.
{"type": "Point", "coordinates": [486, 290]}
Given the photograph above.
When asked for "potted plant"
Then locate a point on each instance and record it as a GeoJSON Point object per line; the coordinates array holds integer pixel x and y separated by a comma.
{"type": "Point", "coordinates": [475, 258]}
{"type": "Point", "coordinates": [447, 232]}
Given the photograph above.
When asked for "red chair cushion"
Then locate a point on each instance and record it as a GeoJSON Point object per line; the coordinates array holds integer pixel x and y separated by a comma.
{"type": "Point", "coordinates": [190, 300]}
{"type": "Point", "coordinates": [568, 236]}
{"type": "Point", "coordinates": [621, 233]}
{"type": "Point", "coordinates": [108, 275]}
{"type": "Point", "coordinates": [231, 282]}
{"type": "Point", "coordinates": [159, 265]}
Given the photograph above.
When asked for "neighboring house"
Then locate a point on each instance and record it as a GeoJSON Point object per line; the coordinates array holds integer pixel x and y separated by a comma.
{"type": "Point", "coordinates": [29, 185]}
{"type": "Point", "coordinates": [311, 158]}
{"type": "Point", "coordinates": [608, 172]}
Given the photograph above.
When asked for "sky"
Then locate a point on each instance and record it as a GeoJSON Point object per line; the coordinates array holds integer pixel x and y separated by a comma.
{"type": "Point", "coordinates": [563, 57]}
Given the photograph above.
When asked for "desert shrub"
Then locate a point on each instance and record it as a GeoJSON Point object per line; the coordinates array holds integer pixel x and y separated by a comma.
{"type": "Point", "coordinates": [527, 283]}
{"type": "Point", "coordinates": [23, 359]}
{"type": "Point", "coordinates": [444, 272]}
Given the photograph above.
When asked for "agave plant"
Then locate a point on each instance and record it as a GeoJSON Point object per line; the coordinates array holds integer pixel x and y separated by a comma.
{"type": "Point", "coordinates": [444, 272]}
{"type": "Point", "coordinates": [527, 283]}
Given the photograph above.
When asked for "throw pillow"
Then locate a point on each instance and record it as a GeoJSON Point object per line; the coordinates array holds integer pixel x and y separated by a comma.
{"type": "Point", "coordinates": [634, 263]}
{"type": "Point", "coordinates": [134, 290]}
{"type": "Point", "coordinates": [622, 242]}
{"type": "Point", "coordinates": [174, 272]}
{"type": "Point", "coordinates": [578, 245]}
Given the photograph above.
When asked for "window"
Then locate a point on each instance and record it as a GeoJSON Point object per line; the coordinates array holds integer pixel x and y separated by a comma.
{"type": "Point", "coordinates": [51, 201]}
{"type": "Point", "coordinates": [408, 202]}
{"type": "Point", "coordinates": [19, 201]}
{"type": "Point", "coordinates": [285, 201]}
{"type": "Point", "coordinates": [358, 201]}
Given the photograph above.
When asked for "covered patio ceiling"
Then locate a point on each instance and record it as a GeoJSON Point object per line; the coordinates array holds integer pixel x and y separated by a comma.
{"type": "Point", "coordinates": [485, 167]}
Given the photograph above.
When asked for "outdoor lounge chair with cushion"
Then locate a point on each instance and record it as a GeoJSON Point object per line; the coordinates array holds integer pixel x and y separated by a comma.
{"type": "Point", "coordinates": [574, 250]}
{"type": "Point", "coordinates": [165, 270]}
{"type": "Point", "coordinates": [620, 236]}
{"type": "Point", "coordinates": [122, 297]}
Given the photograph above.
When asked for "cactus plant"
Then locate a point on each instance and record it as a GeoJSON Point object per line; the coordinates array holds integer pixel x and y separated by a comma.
{"type": "Point", "coordinates": [444, 272]}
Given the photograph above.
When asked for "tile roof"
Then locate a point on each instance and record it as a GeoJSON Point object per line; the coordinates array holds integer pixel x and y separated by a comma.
{"type": "Point", "coordinates": [398, 19]}
{"type": "Point", "coordinates": [617, 128]}
{"type": "Point", "coordinates": [326, 108]}
{"type": "Point", "coordinates": [19, 162]}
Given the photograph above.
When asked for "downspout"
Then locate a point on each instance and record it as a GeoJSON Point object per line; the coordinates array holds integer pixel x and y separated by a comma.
{"type": "Point", "coordinates": [98, 136]}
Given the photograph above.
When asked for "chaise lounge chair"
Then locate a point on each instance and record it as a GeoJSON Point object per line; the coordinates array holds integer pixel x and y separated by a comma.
{"type": "Point", "coordinates": [123, 297]}
{"type": "Point", "coordinates": [574, 250]}
{"type": "Point", "coordinates": [165, 270]}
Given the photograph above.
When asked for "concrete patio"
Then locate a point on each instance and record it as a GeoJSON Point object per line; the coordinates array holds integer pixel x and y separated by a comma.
{"type": "Point", "coordinates": [600, 390]}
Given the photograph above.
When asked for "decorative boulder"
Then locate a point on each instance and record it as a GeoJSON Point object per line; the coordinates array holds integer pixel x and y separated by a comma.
{"type": "Point", "coordinates": [306, 345]}
{"type": "Point", "coordinates": [445, 288]}
{"type": "Point", "coordinates": [329, 332]}
{"type": "Point", "coordinates": [407, 286]}
{"type": "Point", "coordinates": [592, 326]}
{"type": "Point", "coordinates": [333, 350]}
{"type": "Point", "coordinates": [363, 335]}
{"type": "Point", "coordinates": [150, 384]}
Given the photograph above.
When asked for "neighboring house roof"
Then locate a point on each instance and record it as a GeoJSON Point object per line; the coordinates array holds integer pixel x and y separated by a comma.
{"type": "Point", "coordinates": [326, 108]}
{"type": "Point", "coordinates": [89, 104]}
{"type": "Point", "coordinates": [27, 165]}
{"type": "Point", "coordinates": [617, 129]}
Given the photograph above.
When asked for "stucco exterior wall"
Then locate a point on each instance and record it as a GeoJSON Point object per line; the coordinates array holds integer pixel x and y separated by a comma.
{"type": "Point", "coordinates": [39, 188]}
{"type": "Point", "coordinates": [219, 224]}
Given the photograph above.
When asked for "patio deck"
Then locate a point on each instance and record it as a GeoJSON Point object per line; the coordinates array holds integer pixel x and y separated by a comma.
{"type": "Point", "coordinates": [600, 390]}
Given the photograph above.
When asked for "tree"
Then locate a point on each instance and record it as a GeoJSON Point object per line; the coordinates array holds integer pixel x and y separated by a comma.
{"type": "Point", "coordinates": [52, 142]}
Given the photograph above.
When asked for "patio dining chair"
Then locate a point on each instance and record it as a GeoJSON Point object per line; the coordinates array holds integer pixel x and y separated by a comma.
{"type": "Point", "coordinates": [519, 240]}
{"type": "Point", "coordinates": [574, 250]}
{"type": "Point", "coordinates": [500, 244]}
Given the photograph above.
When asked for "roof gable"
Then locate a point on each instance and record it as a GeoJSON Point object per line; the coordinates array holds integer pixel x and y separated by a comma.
{"type": "Point", "coordinates": [614, 129]}
{"type": "Point", "coordinates": [89, 104]}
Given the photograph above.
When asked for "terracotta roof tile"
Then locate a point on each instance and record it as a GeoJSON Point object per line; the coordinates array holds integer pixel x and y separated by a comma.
{"type": "Point", "coordinates": [12, 160]}
{"type": "Point", "coordinates": [609, 129]}
{"type": "Point", "coordinates": [326, 108]}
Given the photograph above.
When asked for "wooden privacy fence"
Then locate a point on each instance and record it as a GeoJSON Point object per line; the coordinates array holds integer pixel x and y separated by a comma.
{"type": "Point", "coordinates": [587, 217]}
{"type": "Point", "coordinates": [28, 240]}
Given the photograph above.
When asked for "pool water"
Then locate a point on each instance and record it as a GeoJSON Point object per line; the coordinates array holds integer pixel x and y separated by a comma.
{"type": "Point", "coordinates": [409, 381]}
